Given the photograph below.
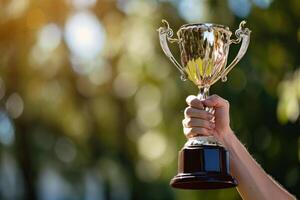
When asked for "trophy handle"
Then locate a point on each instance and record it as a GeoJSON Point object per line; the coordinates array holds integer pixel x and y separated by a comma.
{"type": "Point", "coordinates": [242, 34]}
{"type": "Point", "coordinates": [165, 35]}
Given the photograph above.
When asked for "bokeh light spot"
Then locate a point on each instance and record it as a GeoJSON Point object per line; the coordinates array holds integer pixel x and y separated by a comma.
{"type": "Point", "coordinates": [289, 96]}
{"type": "Point", "coordinates": [85, 35]}
{"type": "Point", "coordinates": [51, 185]}
{"type": "Point", "coordinates": [152, 145]}
{"type": "Point", "coordinates": [17, 8]}
{"type": "Point", "coordinates": [7, 131]}
{"type": "Point", "coordinates": [11, 177]}
{"type": "Point", "coordinates": [193, 10]}
{"type": "Point", "coordinates": [95, 66]}
{"type": "Point", "coordinates": [148, 96]}
{"type": "Point", "coordinates": [149, 117]}
{"type": "Point", "coordinates": [240, 8]}
{"type": "Point", "coordinates": [148, 106]}
{"type": "Point", "coordinates": [49, 37]}
{"type": "Point", "coordinates": [138, 39]}
{"type": "Point", "coordinates": [101, 74]}
{"type": "Point", "coordinates": [263, 3]}
{"type": "Point", "coordinates": [14, 105]}
{"type": "Point", "coordinates": [65, 150]}
{"type": "Point", "coordinates": [83, 3]}
{"type": "Point", "coordinates": [141, 8]}
{"type": "Point", "coordinates": [125, 85]}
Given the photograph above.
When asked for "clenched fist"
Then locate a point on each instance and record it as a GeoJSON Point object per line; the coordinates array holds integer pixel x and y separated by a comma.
{"type": "Point", "coordinates": [199, 122]}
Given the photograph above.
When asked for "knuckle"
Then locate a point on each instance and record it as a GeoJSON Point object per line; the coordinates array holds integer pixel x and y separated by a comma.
{"type": "Point", "coordinates": [226, 102]}
{"type": "Point", "coordinates": [186, 122]}
{"type": "Point", "coordinates": [203, 131]}
{"type": "Point", "coordinates": [205, 123]}
{"type": "Point", "coordinates": [215, 96]}
{"type": "Point", "coordinates": [205, 115]}
{"type": "Point", "coordinates": [189, 123]}
{"type": "Point", "coordinates": [188, 131]}
{"type": "Point", "coordinates": [209, 116]}
{"type": "Point", "coordinates": [198, 123]}
{"type": "Point", "coordinates": [192, 131]}
{"type": "Point", "coordinates": [196, 130]}
{"type": "Point", "coordinates": [188, 111]}
{"type": "Point", "coordinates": [185, 131]}
{"type": "Point", "coordinates": [189, 99]}
{"type": "Point", "coordinates": [200, 131]}
{"type": "Point", "coordinates": [206, 132]}
{"type": "Point", "coordinates": [195, 102]}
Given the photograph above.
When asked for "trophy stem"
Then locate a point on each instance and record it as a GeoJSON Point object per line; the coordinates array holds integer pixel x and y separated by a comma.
{"type": "Point", "coordinates": [203, 93]}
{"type": "Point", "coordinates": [207, 140]}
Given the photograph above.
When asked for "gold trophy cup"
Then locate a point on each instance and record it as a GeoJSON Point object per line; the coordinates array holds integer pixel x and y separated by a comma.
{"type": "Point", "coordinates": [203, 161]}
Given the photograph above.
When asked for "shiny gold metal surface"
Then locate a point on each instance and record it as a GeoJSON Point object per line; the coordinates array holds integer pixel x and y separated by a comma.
{"type": "Point", "coordinates": [204, 50]}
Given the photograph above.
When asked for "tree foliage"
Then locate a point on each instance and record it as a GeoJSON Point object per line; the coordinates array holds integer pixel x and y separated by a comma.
{"type": "Point", "coordinates": [91, 108]}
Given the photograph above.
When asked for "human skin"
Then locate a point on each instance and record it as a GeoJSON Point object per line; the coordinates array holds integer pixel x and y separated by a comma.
{"type": "Point", "coordinates": [253, 182]}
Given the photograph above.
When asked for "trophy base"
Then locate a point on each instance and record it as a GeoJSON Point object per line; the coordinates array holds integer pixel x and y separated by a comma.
{"type": "Point", "coordinates": [203, 167]}
{"type": "Point", "coordinates": [205, 181]}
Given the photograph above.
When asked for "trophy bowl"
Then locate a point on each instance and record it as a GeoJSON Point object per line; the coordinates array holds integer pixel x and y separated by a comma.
{"type": "Point", "coordinates": [203, 162]}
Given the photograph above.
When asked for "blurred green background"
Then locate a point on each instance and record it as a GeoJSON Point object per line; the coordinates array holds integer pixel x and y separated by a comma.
{"type": "Point", "coordinates": [90, 107]}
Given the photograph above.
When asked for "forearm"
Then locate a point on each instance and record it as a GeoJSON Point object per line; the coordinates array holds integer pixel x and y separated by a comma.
{"type": "Point", "coordinates": [253, 182]}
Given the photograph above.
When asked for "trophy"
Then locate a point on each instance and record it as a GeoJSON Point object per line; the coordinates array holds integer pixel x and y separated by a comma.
{"type": "Point", "coordinates": [203, 162]}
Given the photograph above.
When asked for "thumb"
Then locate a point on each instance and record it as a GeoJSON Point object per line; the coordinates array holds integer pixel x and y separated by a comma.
{"type": "Point", "coordinates": [215, 101]}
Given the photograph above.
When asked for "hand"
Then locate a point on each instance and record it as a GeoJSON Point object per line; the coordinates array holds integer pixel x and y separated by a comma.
{"type": "Point", "coordinates": [197, 121]}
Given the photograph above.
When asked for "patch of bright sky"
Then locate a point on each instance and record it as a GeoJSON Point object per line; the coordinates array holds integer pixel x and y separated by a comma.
{"type": "Point", "coordinates": [262, 3]}
{"type": "Point", "coordinates": [193, 10]}
{"type": "Point", "coordinates": [7, 131]}
{"type": "Point", "coordinates": [132, 6]}
{"type": "Point", "coordinates": [84, 35]}
{"type": "Point", "coordinates": [240, 8]}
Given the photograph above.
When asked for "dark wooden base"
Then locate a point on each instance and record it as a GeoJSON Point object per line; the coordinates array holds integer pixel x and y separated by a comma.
{"type": "Point", "coordinates": [203, 167]}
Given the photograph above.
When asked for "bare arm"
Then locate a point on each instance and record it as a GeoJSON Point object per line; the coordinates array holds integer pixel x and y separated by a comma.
{"type": "Point", "coordinates": [253, 181]}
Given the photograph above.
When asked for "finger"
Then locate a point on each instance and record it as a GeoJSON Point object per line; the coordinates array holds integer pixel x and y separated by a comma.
{"type": "Point", "coordinates": [193, 101]}
{"type": "Point", "coordinates": [196, 122]}
{"type": "Point", "coordinates": [196, 131]}
{"type": "Point", "coordinates": [197, 113]}
{"type": "Point", "coordinates": [215, 101]}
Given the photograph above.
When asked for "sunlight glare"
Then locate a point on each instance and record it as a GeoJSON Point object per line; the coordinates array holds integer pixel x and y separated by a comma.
{"type": "Point", "coordinates": [84, 35]}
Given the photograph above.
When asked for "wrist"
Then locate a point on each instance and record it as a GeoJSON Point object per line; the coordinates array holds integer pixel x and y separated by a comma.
{"type": "Point", "coordinates": [227, 138]}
